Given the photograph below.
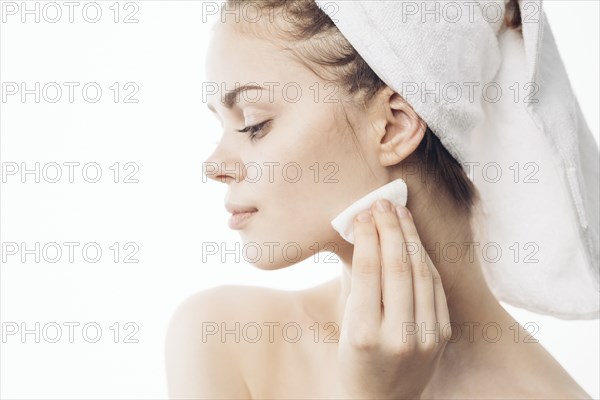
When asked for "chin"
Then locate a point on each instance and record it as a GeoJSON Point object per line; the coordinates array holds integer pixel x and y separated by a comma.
{"type": "Point", "coordinates": [274, 262]}
{"type": "Point", "coordinates": [266, 265]}
{"type": "Point", "coordinates": [267, 253]}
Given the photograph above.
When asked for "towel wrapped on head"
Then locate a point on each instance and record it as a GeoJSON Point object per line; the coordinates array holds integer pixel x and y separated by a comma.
{"type": "Point", "coordinates": [501, 103]}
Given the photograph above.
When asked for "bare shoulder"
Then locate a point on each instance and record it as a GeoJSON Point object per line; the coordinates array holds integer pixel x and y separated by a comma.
{"type": "Point", "coordinates": [206, 346]}
{"type": "Point", "coordinates": [237, 303]}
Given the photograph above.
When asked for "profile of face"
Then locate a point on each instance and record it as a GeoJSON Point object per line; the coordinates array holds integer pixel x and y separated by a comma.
{"type": "Point", "coordinates": [304, 165]}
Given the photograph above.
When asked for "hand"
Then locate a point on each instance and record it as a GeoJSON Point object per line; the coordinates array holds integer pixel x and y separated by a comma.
{"type": "Point", "coordinates": [396, 321]}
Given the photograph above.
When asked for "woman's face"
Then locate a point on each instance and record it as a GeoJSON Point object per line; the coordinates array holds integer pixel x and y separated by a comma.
{"type": "Point", "coordinates": [303, 168]}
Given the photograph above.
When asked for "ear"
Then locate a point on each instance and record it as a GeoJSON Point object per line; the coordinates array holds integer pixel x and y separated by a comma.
{"type": "Point", "coordinates": [401, 128]}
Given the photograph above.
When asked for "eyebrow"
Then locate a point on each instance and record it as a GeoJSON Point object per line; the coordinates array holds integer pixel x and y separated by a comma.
{"type": "Point", "coordinates": [230, 97]}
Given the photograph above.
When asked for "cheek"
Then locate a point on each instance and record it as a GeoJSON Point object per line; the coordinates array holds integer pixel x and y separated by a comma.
{"type": "Point", "coordinates": [310, 180]}
{"type": "Point", "coordinates": [298, 215]}
{"type": "Point", "coordinates": [294, 221]}
{"type": "Point", "coordinates": [272, 245]}
{"type": "Point", "coordinates": [308, 177]}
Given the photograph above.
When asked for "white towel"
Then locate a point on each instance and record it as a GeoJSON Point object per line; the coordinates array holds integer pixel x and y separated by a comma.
{"type": "Point", "coordinates": [547, 230]}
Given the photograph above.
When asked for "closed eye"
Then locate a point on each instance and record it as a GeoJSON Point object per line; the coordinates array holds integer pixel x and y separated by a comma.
{"type": "Point", "coordinates": [254, 129]}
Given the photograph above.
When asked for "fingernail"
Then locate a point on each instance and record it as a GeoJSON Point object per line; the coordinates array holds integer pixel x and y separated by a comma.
{"type": "Point", "coordinates": [402, 211]}
{"type": "Point", "coordinates": [383, 205]}
{"type": "Point", "coordinates": [364, 217]}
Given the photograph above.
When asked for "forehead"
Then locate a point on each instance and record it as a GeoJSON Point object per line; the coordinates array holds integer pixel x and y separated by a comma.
{"type": "Point", "coordinates": [235, 58]}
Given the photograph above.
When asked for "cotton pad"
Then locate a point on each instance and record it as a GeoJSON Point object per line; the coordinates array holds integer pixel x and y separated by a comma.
{"type": "Point", "coordinates": [395, 191]}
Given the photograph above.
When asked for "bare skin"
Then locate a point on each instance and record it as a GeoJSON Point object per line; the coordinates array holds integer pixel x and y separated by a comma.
{"type": "Point", "coordinates": [203, 364]}
{"type": "Point", "coordinates": [307, 369]}
{"type": "Point", "coordinates": [302, 362]}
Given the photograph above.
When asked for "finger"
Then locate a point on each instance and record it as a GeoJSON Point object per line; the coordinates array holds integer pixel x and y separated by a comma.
{"type": "Point", "coordinates": [396, 269]}
{"type": "Point", "coordinates": [424, 295]}
{"type": "Point", "coordinates": [366, 273]}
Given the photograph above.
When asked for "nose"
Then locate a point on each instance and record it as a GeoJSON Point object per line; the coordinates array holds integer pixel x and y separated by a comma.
{"type": "Point", "coordinates": [222, 170]}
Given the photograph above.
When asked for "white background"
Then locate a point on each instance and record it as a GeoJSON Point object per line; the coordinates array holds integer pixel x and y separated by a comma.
{"type": "Point", "coordinates": [170, 212]}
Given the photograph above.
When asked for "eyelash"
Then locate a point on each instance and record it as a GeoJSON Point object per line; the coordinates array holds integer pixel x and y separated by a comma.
{"type": "Point", "coordinates": [254, 129]}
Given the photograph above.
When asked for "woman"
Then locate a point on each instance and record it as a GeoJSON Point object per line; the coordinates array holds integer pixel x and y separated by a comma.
{"type": "Point", "coordinates": [382, 329]}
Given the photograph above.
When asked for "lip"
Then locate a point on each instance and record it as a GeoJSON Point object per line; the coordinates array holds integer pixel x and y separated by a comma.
{"type": "Point", "coordinates": [239, 219]}
{"type": "Point", "coordinates": [236, 209]}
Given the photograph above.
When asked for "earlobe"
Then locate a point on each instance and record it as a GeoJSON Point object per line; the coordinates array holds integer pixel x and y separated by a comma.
{"type": "Point", "coordinates": [403, 133]}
